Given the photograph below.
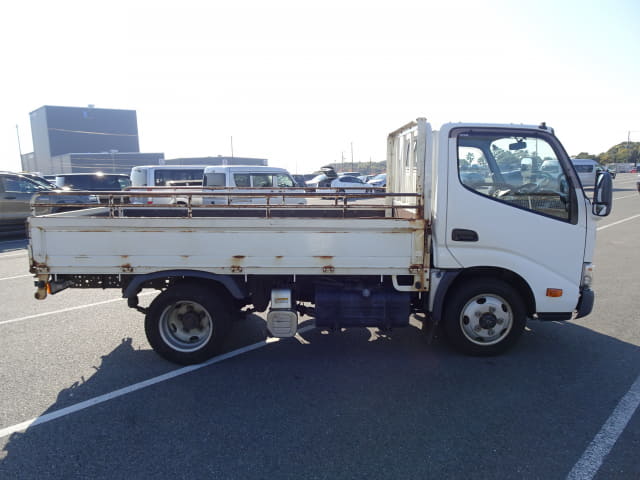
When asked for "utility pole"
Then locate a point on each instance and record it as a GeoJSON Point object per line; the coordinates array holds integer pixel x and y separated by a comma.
{"type": "Point", "coordinates": [352, 156]}
{"type": "Point", "coordinates": [19, 147]}
{"type": "Point", "coordinates": [231, 146]}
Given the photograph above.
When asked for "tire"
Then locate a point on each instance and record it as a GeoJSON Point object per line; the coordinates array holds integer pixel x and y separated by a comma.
{"type": "Point", "coordinates": [188, 323]}
{"type": "Point", "coordinates": [484, 316]}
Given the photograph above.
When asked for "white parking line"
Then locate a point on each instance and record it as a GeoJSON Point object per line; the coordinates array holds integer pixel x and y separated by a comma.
{"type": "Point", "coordinates": [618, 222]}
{"type": "Point", "coordinates": [603, 442]}
{"type": "Point", "coordinates": [70, 309]}
{"type": "Point", "coordinates": [47, 417]}
{"type": "Point", "coordinates": [13, 255]}
{"type": "Point", "coordinates": [627, 196]}
{"type": "Point", "coordinates": [17, 276]}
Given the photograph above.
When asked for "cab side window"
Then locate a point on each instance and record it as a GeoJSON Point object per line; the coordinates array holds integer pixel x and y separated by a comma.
{"type": "Point", "coordinates": [522, 172]}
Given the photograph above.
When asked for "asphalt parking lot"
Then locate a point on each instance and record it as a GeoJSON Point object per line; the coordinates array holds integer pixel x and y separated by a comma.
{"type": "Point", "coordinates": [83, 395]}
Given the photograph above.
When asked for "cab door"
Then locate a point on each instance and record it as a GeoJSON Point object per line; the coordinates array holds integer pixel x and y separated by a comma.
{"type": "Point", "coordinates": [504, 211]}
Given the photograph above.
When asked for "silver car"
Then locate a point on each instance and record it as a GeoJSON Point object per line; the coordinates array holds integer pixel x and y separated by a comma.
{"type": "Point", "coordinates": [16, 193]}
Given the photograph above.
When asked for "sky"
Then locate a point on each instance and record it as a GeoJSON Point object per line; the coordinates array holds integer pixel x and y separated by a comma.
{"type": "Point", "coordinates": [306, 83]}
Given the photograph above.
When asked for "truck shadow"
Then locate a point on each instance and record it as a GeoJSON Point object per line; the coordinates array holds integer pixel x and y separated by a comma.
{"type": "Point", "coordinates": [348, 404]}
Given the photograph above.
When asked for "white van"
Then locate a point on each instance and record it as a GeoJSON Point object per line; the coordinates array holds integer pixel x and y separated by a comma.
{"type": "Point", "coordinates": [159, 175]}
{"type": "Point", "coordinates": [164, 176]}
{"type": "Point", "coordinates": [587, 170]}
{"type": "Point", "coordinates": [242, 178]}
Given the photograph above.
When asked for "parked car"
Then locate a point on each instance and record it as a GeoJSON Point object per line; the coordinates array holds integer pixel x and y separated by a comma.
{"type": "Point", "coordinates": [301, 180]}
{"type": "Point", "coordinates": [319, 181]}
{"type": "Point", "coordinates": [587, 170]}
{"type": "Point", "coordinates": [162, 175]}
{"type": "Point", "coordinates": [379, 180]}
{"type": "Point", "coordinates": [325, 183]}
{"type": "Point", "coordinates": [97, 182]}
{"type": "Point", "coordinates": [246, 179]}
{"type": "Point", "coordinates": [41, 179]}
{"type": "Point", "coordinates": [638, 184]}
{"type": "Point", "coordinates": [552, 167]}
{"type": "Point", "coordinates": [366, 178]}
{"type": "Point", "coordinates": [94, 182]}
{"type": "Point", "coordinates": [349, 184]}
{"type": "Point", "coordinates": [323, 178]}
{"type": "Point", "coordinates": [16, 193]}
{"type": "Point", "coordinates": [612, 169]}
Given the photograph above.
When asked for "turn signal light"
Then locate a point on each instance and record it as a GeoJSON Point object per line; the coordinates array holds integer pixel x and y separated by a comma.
{"type": "Point", "coordinates": [554, 292]}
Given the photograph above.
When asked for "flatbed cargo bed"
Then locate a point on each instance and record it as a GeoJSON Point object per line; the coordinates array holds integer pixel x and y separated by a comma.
{"type": "Point", "coordinates": [349, 238]}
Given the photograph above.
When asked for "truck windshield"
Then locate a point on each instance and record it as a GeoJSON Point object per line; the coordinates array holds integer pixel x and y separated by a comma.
{"type": "Point", "coordinates": [515, 170]}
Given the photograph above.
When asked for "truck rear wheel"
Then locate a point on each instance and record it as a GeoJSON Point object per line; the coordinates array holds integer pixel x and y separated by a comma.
{"type": "Point", "coordinates": [187, 323]}
{"type": "Point", "coordinates": [484, 316]}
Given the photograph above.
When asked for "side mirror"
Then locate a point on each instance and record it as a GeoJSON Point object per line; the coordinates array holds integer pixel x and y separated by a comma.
{"type": "Point", "coordinates": [602, 195]}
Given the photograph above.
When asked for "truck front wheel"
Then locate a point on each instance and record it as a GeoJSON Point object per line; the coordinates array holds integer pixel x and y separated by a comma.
{"type": "Point", "coordinates": [484, 316]}
{"type": "Point", "coordinates": [187, 323]}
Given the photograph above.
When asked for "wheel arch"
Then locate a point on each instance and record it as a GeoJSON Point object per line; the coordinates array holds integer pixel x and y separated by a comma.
{"type": "Point", "coordinates": [217, 281]}
{"type": "Point", "coordinates": [452, 279]}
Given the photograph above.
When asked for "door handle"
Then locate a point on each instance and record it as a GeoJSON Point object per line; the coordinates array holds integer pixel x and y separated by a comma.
{"type": "Point", "coordinates": [9, 198]}
{"type": "Point", "coordinates": [464, 235]}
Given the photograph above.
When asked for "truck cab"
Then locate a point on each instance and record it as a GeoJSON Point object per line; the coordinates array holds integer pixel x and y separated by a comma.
{"type": "Point", "coordinates": [511, 240]}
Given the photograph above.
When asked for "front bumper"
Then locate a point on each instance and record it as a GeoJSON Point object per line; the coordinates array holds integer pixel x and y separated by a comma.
{"type": "Point", "coordinates": [585, 304]}
{"type": "Point", "coordinates": [584, 307]}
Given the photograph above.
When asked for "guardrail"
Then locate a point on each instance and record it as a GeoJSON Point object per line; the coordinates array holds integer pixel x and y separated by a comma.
{"type": "Point", "coordinates": [185, 201]}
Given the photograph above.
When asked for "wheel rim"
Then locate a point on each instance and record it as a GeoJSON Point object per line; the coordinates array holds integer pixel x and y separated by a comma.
{"type": "Point", "coordinates": [185, 326]}
{"type": "Point", "coordinates": [486, 319]}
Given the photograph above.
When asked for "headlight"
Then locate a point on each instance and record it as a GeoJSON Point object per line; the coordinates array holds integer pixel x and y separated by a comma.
{"type": "Point", "coordinates": [587, 275]}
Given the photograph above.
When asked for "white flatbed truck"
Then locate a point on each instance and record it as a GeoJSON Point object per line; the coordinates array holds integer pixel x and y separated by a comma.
{"type": "Point", "coordinates": [469, 234]}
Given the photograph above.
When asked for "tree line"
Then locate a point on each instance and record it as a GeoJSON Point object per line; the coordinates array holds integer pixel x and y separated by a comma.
{"type": "Point", "coordinates": [625, 152]}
